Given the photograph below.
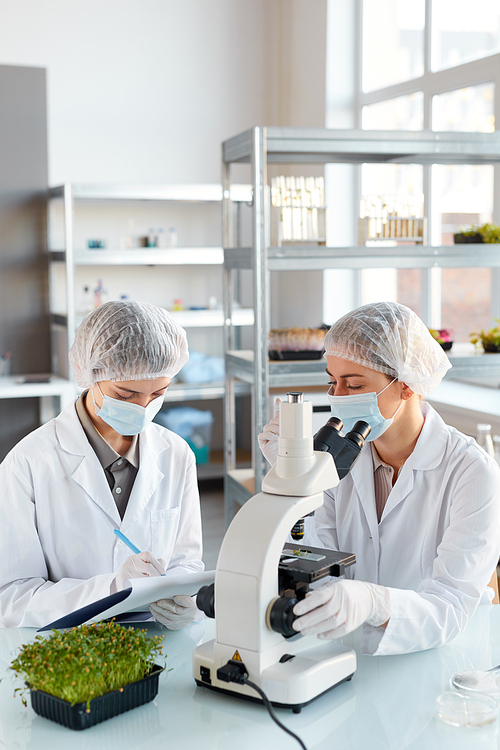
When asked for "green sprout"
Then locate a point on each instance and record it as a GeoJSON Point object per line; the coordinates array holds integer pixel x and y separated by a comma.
{"type": "Point", "coordinates": [83, 663]}
{"type": "Point", "coordinates": [490, 233]}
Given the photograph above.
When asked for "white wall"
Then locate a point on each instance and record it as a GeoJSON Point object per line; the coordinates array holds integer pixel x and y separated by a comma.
{"type": "Point", "coordinates": [297, 62]}
{"type": "Point", "coordinates": [144, 91]}
{"type": "Point", "coordinates": [297, 66]}
{"type": "Point", "coordinates": [341, 287]}
{"type": "Point", "coordinates": [141, 90]}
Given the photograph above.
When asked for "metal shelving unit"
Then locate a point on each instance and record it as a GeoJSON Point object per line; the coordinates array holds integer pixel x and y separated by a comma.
{"type": "Point", "coordinates": [53, 393]}
{"type": "Point", "coordinates": [261, 146]}
{"type": "Point", "coordinates": [73, 257]}
{"type": "Point", "coordinates": [178, 256]}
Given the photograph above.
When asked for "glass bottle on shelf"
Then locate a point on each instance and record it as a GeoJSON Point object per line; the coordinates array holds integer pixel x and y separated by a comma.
{"type": "Point", "coordinates": [161, 238]}
{"type": "Point", "coordinates": [496, 447]}
{"type": "Point", "coordinates": [484, 439]}
{"type": "Point", "coordinates": [172, 237]}
{"type": "Point", "coordinates": [152, 238]}
{"type": "Point", "coordinates": [100, 294]}
{"type": "Point", "coordinates": [86, 301]}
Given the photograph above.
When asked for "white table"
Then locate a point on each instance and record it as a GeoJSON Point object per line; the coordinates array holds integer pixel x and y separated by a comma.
{"type": "Point", "coordinates": [54, 395]}
{"type": "Point", "coordinates": [389, 704]}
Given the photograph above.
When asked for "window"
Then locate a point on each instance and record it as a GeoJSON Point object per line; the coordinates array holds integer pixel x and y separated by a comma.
{"type": "Point", "coordinates": [400, 113]}
{"type": "Point", "coordinates": [463, 31]}
{"type": "Point", "coordinates": [468, 109]}
{"type": "Point", "coordinates": [463, 195]}
{"type": "Point", "coordinates": [444, 79]}
{"type": "Point", "coordinates": [395, 27]}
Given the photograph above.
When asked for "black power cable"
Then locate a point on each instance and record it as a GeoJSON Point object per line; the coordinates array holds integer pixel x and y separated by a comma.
{"type": "Point", "coordinates": [267, 704]}
{"type": "Point", "coordinates": [235, 671]}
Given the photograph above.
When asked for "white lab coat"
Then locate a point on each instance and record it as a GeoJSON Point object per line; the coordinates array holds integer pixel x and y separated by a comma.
{"type": "Point", "coordinates": [437, 543]}
{"type": "Point", "coordinates": [57, 546]}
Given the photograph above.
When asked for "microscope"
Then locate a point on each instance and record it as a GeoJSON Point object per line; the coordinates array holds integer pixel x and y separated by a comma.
{"type": "Point", "coordinates": [259, 577]}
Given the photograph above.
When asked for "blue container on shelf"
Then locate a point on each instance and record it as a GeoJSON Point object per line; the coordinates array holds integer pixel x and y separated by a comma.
{"type": "Point", "coordinates": [194, 425]}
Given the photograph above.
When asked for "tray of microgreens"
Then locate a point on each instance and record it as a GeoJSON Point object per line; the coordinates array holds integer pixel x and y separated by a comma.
{"type": "Point", "coordinates": [82, 676]}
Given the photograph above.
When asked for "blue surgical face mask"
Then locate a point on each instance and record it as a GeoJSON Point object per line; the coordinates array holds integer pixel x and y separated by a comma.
{"type": "Point", "coordinates": [361, 406]}
{"type": "Point", "coordinates": [126, 418]}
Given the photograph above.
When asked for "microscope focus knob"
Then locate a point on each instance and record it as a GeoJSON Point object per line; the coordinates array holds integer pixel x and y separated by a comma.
{"type": "Point", "coordinates": [280, 616]}
{"type": "Point", "coordinates": [205, 600]}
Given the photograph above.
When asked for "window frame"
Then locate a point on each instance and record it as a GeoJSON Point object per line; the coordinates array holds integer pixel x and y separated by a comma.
{"type": "Point", "coordinates": [432, 83]}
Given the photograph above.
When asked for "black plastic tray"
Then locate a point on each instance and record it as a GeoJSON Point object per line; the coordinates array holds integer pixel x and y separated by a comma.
{"type": "Point", "coordinates": [101, 708]}
{"type": "Point", "coordinates": [302, 354]}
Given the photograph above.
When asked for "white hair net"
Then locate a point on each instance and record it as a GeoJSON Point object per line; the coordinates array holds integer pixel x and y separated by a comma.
{"type": "Point", "coordinates": [392, 339]}
{"type": "Point", "coordinates": [127, 340]}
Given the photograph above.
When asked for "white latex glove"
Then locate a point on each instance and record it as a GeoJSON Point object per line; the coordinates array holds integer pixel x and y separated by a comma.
{"type": "Point", "coordinates": [339, 607]}
{"type": "Point", "coordinates": [175, 613]}
{"type": "Point", "coordinates": [137, 566]}
{"type": "Point", "coordinates": [268, 439]}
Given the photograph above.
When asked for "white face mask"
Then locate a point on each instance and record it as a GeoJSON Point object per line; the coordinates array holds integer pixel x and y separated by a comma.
{"type": "Point", "coordinates": [361, 406]}
{"type": "Point", "coordinates": [125, 418]}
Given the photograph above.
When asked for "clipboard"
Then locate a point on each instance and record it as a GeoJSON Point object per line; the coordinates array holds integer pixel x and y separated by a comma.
{"type": "Point", "coordinates": [137, 595]}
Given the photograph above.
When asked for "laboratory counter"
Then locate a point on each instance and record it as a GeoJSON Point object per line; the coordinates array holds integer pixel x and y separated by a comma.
{"type": "Point", "coordinates": [389, 703]}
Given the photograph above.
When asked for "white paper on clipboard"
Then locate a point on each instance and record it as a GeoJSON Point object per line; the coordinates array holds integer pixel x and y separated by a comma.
{"type": "Point", "coordinates": [149, 590]}
{"type": "Point", "coordinates": [137, 595]}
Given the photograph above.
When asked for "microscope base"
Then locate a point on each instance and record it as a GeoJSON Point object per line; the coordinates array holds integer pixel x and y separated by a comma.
{"type": "Point", "coordinates": [291, 683]}
{"type": "Point", "coordinates": [296, 707]}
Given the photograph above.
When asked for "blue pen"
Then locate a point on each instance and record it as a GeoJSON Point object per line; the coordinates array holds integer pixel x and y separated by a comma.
{"type": "Point", "coordinates": [127, 541]}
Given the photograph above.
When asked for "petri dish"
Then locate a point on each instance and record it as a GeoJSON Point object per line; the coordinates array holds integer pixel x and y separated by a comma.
{"type": "Point", "coordinates": [466, 709]}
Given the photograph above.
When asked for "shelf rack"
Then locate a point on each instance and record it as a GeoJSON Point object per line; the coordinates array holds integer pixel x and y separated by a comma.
{"type": "Point", "coordinates": [54, 393]}
{"type": "Point", "coordinates": [261, 146]}
{"type": "Point", "coordinates": [72, 257]}
{"type": "Point", "coordinates": [69, 193]}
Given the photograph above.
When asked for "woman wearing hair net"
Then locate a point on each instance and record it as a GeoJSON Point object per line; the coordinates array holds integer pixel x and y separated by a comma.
{"type": "Point", "coordinates": [420, 508]}
{"type": "Point", "coordinates": [100, 465]}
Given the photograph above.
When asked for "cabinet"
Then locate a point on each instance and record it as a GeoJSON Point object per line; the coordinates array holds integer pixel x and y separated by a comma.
{"type": "Point", "coordinates": [261, 146]}
{"type": "Point", "coordinates": [24, 329]}
{"type": "Point", "coordinates": [114, 216]}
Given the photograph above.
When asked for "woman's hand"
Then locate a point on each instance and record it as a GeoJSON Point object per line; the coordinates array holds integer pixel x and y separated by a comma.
{"type": "Point", "coordinates": [175, 613]}
{"type": "Point", "coordinates": [268, 439]}
{"type": "Point", "coordinates": [339, 607]}
{"type": "Point", "coordinates": [138, 566]}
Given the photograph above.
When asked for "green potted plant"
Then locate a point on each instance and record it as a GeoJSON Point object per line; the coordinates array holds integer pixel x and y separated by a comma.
{"type": "Point", "coordinates": [82, 676]}
{"type": "Point", "coordinates": [489, 340]}
{"type": "Point", "coordinates": [443, 336]}
{"type": "Point", "coordinates": [489, 233]}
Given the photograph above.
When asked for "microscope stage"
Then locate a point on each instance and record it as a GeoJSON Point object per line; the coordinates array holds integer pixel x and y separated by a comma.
{"type": "Point", "coordinates": [309, 564]}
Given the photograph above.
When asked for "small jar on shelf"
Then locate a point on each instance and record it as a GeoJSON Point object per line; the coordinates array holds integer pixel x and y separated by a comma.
{"type": "Point", "coordinates": [484, 438]}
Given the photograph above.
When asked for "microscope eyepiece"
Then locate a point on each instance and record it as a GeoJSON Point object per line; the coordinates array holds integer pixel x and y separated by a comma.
{"type": "Point", "coordinates": [359, 433]}
{"type": "Point", "coordinates": [344, 450]}
{"type": "Point", "coordinates": [330, 431]}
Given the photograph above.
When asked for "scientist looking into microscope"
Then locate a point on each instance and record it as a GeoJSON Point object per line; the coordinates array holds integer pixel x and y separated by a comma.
{"type": "Point", "coordinates": [99, 465]}
{"type": "Point", "coordinates": [420, 509]}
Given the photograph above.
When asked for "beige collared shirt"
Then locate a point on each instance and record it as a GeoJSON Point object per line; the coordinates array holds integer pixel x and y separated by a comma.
{"type": "Point", "coordinates": [382, 480]}
{"type": "Point", "coordinates": [120, 471]}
